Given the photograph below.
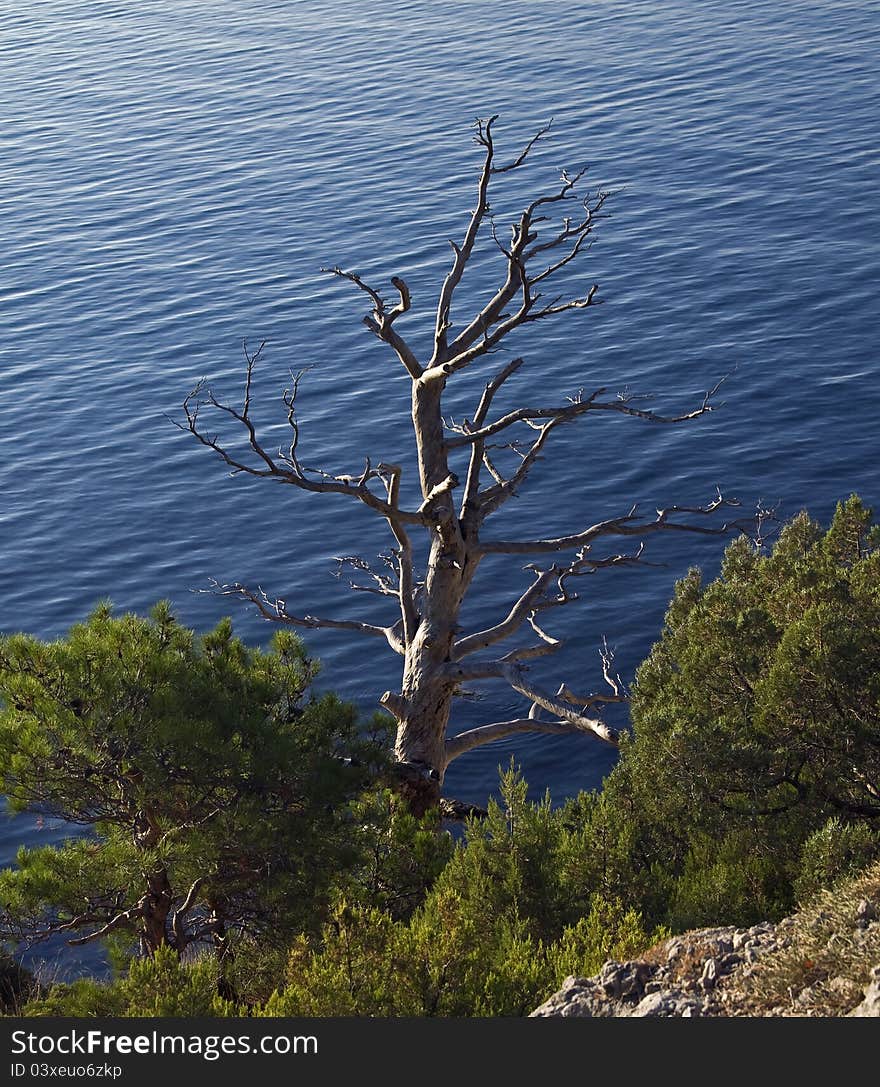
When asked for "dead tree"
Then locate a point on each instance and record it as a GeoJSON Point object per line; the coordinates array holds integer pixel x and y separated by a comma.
{"type": "Point", "coordinates": [463, 482]}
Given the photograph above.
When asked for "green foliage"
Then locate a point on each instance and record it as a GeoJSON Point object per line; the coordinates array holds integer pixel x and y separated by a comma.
{"type": "Point", "coordinates": [162, 986]}
{"type": "Point", "coordinates": [82, 999]}
{"type": "Point", "coordinates": [399, 855]}
{"type": "Point", "coordinates": [546, 865]}
{"type": "Point", "coordinates": [608, 931]}
{"type": "Point", "coordinates": [507, 919]}
{"type": "Point", "coordinates": [159, 986]}
{"type": "Point", "coordinates": [834, 852]}
{"type": "Point", "coordinates": [756, 719]}
{"type": "Point", "coordinates": [448, 960]}
{"type": "Point", "coordinates": [729, 879]}
{"type": "Point", "coordinates": [749, 780]}
{"type": "Point", "coordinates": [215, 788]}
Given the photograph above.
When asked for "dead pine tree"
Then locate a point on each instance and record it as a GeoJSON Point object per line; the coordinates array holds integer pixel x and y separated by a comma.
{"type": "Point", "coordinates": [439, 543]}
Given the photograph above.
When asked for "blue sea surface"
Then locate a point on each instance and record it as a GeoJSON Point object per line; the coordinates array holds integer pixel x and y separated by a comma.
{"type": "Point", "coordinates": [174, 175]}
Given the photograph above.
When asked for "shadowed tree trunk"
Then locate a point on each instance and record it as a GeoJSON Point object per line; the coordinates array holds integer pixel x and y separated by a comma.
{"type": "Point", "coordinates": [466, 471]}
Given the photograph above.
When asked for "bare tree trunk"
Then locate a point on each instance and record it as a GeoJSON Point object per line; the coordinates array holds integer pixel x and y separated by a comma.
{"type": "Point", "coordinates": [467, 470]}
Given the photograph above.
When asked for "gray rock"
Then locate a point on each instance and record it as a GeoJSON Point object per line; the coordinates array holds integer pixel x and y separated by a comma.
{"type": "Point", "coordinates": [723, 944]}
{"type": "Point", "coordinates": [620, 980]}
{"type": "Point", "coordinates": [692, 981]}
{"type": "Point", "coordinates": [667, 1004]}
{"type": "Point", "coordinates": [710, 975]}
{"type": "Point", "coordinates": [870, 1006]}
{"type": "Point", "coordinates": [573, 994]}
{"type": "Point", "coordinates": [740, 939]}
{"type": "Point", "coordinates": [866, 912]}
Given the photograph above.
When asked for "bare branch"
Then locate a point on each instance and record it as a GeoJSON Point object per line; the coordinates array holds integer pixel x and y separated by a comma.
{"type": "Point", "coordinates": [186, 826]}
{"type": "Point", "coordinates": [629, 524]}
{"type": "Point", "coordinates": [492, 470]}
{"type": "Point", "coordinates": [578, 405]}
{"type": "Point", "coordinates": [466, 673]}
{"type": "Point", "coordinates": [405, 562]}
{"type": "Point", "coordinates": [492, 388]}
{"type": "Point", "coordinates": [498, 730]}
{"type": "Point", "coordinates": [462, 253]}
{"type": "Point", "coordinates": [535, 599]}
{"type": "Point", "coordinates": [276, 611]}
{"type": "Point", "coordinates": [558, 708]}
{"type": "Point", "coordinates": [512, 621]}
{"type": "Point", "coordinates": [493, 497]}
{"type": "Point", "coordinates": [546, 646]}
{"type": "Point", "coordinates": [353, 277]}
{"type": "Point", "coordinates": [619, 692]}
{"type": "Point", "coordinates": [290, 470]}
{"type": "Point", "coordinates": [179, 915]}
{"type": "Point", "coordinates": [381, 319]}
{"type": "Point", "coordinates": [532, 652]}
{"type": "Point", "coordinates": [611, 678]}
{"type": "Point", "coordinates": [472, 483]}
{"type": "Point", "coordinates": [201, 395]}
{"type": "Point", "coordinates": [496, 669]}
{"type": "Point", "coordinates": [460, 812]}
{"type": "Point", "coordinates": [523, 155]}
{"type": "Point", "coordinates": [589, 299]}
{"type": "Point", "coordinates": [492, 324]}
{"type": "Point", "coordinates": [449, 483]}
{"type": "Point", "coordinates": [383, 584]}
{"type": "Point", "coordinates": [124, 918]}
{"type": "Point", "coordinates": [394, 703]}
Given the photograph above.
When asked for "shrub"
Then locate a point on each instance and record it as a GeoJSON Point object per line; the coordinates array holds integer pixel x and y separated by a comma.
{"type": "Point", "coordinates": [756, 719]}
{"type": "Point", "coordinates": [836, 851]}
{"type": "Point", "coordinates": [215, 788]}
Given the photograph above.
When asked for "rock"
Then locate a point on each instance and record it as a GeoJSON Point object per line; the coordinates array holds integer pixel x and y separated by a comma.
{"type": "Point", "coordinates": [866, 912]}
{"type": "Point", "coordinates": [620, 980]}
{"type": "Point", "coordinates": [870, 1006]}
{"type": "Point", "coordinates": [723, 944]}
{"type": "Point", "coordinates": [695, 973]}
{"type": "Point", "coordinates": [667, 1004]}
{"type": "Point", "coordinates": [673, 947]}
{"type": "Point", "coordinates": [573, 999]}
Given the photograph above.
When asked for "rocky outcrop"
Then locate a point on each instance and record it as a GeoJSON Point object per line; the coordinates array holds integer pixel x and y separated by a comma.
{"type": "Point", "coordinates": [687, 975]}
{"type": "Point", "coordinates": [824, 960]}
